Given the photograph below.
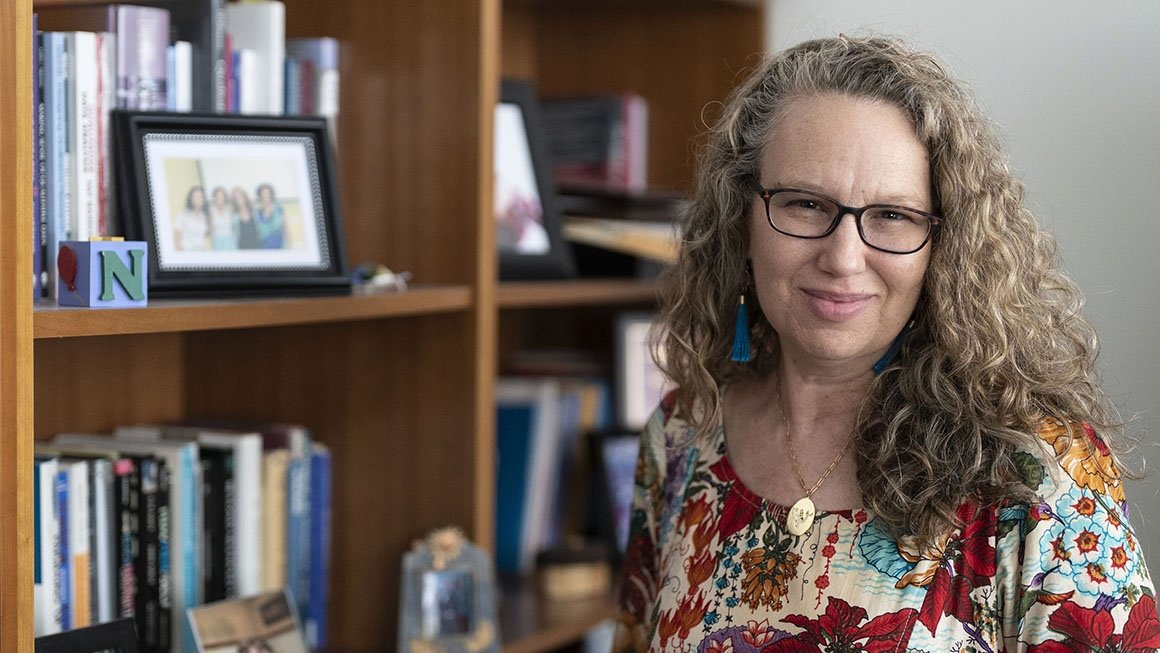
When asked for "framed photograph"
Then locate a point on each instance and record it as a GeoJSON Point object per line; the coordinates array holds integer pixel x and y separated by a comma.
{"type": "Point", "coordinates": [447, 601]}
{"type": "Point", "coordinates": [112, 637]}
{"type": "Point", "coordinates": [264, 623]}
{"type": "Point", "coordinates": [527, 223]}
{"type": "Point", "coordinates": [613, 456]}
{"type": "Point", "coordinates": [232, 204]}
{"type": "Point", "coordinates": [640, 383]}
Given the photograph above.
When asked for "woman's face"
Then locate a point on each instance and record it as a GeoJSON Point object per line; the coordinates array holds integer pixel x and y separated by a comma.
{"type": "Point", "coordinates": [266, 195]}
{"type": "Point", "coordinates": [219, 197]}
{"type": "Point", "coordinates": [835, 299]}
{"type": "Point", "coordinates": [197, 198]}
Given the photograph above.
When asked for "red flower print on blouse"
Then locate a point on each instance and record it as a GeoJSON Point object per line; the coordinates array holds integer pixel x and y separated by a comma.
{"type": "Point", "coordinates": [841, 629]}
{"type": "Point", "coordinates": [1093, 629]}
{"type": "Point", "coordinates": [967, 562]}
{"type": "Point", "coordinates": [739, 510]}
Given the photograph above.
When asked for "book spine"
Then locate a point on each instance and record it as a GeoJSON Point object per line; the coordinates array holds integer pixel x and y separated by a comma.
{"type": "Point", "coordinates": [315, 622]}
{"type": "Point", "coordinates": [220, 53]}
{"type": "Point", "coordinates": [104, 541]}
{"type": "Point", "coordinates": [213, 535]}
{"type": "Point", "coordinates": [298, 532]}
{"type": "Point", "coordinates": [78, 533]}
{"type": "Point", "coordinates": [64, 572]}
{"type": "Point", "coordinates": [46, 590]}
{"type": "Point", "coordinates": [249, 519]}
{"type": "Point", "coordinates": [182, 78]}
{"type": "Point", "coordinates": [148, 564]}
{"type": "Point", "coordinates": [83, 134]}
{"type": "Point", "coordinates": [37, 148]}
{"type": "Point", "coordinates": [293, 93]}
{"type": "Point", "coordinates": [274, 519]}
{"type": "Point", "coordinates": [171, 74]}
{"type": "Point", "coordinates": [106, 54]}
{"type": "Point", "coordinates": [143, 34]}
{"type": "Point", "coordinates": [56, 150]}
{"type": "Point", "coordinates": [127, 487]}
{"type": "Point", "coordinates": [164, 558]}
{"type": "Point", "coordinates": [228, 525]}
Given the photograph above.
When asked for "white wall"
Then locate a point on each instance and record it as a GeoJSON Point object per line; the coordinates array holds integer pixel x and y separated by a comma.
{"type": "Point", "coordinates": [1075, 88]}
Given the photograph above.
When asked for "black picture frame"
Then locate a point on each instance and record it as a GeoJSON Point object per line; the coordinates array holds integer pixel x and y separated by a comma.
{"type": "Point", "coordinates": [164, 158]}
{"type": "Point", "coordinates": [528, 229]}
{"type": "Point", "coordinates": [118, 636]}
{"type": "Point", "coordinates": [613, 456]}
{"type": "Point", "coordinates": [639, 382]}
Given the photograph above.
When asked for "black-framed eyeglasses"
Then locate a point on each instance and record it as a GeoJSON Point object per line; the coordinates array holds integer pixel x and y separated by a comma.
{"type": "Point", "coordinates": [884, 227]}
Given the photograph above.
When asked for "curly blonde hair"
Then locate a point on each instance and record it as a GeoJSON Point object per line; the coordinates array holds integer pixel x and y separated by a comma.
{"type": "Point", "coordinates": [999, 344]}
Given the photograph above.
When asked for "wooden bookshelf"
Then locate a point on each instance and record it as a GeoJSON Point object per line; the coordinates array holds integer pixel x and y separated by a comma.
{"type": "Point", "coordinates": [399, 386]}
{"type": "Point", "coordinates": [161, 316]}
{"type": "Point", "coordinates": [546, 294]}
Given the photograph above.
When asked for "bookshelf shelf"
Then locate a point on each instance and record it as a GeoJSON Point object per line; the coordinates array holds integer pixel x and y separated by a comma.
{"type": "Point", "coordinates": [602, 292]}
{"type": "Point", "coordinates": [529, 624]}
{"type": "Point", "coordinates": [162, 316]}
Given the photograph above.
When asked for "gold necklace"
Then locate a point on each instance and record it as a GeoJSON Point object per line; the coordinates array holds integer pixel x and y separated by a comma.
{"type": "Point", "coordinates": [800, 517]}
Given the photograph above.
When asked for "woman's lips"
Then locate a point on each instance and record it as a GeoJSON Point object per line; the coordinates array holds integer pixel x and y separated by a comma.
{"type": "Point", "coordinates": [836, 306]}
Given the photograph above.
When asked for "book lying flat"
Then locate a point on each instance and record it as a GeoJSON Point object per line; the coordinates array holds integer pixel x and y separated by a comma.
{"type": "Point", "coordinates": [650, 240]}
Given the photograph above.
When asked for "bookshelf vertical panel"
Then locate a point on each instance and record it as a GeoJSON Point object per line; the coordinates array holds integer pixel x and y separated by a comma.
{"type": "Point", "coordinates": [408, 129]}
{"type": "Point", "coordinates": [16, 358]}
{"type": "Point", "coordinates": [394, 401]}
{"type": "Point", "coordinates": [682, 59]}
{"type": "Point", "coordinates": [95, 384]}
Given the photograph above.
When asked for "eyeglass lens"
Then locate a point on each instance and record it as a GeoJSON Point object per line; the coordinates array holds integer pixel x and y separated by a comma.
{"type": "Point", "coordinates": [807, 215]}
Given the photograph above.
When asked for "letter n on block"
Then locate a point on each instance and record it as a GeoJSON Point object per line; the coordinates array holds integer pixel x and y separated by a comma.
{"type": "Point", "coordinates": [103, 274]}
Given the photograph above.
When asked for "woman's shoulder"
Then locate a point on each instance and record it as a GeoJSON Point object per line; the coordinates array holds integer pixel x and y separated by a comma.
{"type": "Point", "coordinates": [1071, 457]}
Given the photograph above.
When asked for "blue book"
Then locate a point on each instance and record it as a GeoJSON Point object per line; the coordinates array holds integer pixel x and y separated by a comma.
{"type": "Point", "coordinates": [315, 621]}
{"type": "Point", "coordinates": [56, 149]}
{"type": "Point", "coordinates": [66, 618]}
{"type": "Point", "coordinates": [298, 530]}
{"type": "Point", "coordinates": [37, 144]}
{"type": "Point", "coordinates": [513, 434]}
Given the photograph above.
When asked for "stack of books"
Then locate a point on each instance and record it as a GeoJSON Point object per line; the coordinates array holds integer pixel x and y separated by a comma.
{"type": "Point", "coordinates": [148, 521]}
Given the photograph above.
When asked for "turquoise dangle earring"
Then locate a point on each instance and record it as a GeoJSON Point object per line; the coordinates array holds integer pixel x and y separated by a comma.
{"type": "Point", "coordinates": [741, 350]}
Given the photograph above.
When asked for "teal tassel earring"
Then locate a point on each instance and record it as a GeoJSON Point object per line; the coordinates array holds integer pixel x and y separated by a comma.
{"type": "Point", "coordinates": [741, 351]}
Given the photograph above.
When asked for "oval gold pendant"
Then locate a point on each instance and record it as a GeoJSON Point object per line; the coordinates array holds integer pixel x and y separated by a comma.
{"type": "Point", "coordinates": [800, 517]}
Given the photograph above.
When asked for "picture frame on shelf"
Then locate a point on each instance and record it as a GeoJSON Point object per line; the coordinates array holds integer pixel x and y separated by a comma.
{"type": "Point", "coordinates": [447, 598]}
{"type": "Point", "coordinates": [232, 204]}
{"type": "Point", "coordinates": [639, 382]}
{"type": "Point", "coordinates": [527, 221]}
{"type": "Point", "coordinates": [613, 457]}
{"type": "Point", "coordinates": [252, 624]}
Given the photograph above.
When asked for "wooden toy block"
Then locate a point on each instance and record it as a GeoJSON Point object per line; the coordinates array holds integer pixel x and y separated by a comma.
{"type": "Point", "coordinates": [103, 273]}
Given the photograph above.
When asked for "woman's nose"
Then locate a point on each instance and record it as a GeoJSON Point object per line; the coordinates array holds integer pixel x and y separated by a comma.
{"type": "Point", "coordinates": [843, 252]}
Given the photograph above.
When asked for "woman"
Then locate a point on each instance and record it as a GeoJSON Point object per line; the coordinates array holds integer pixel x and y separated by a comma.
{"type": "Point", "coordinates": [244, 219]}
{"type": "Point", "coordinates": [192, 224]}
{"type": "Point", "coordinates": [223, 231]}
{"type": "Point", "coordinates": [268, 217]}
{"type": "Point", "coordinates": [887, 433]}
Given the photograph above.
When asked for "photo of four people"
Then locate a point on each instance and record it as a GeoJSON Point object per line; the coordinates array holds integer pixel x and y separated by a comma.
{"type": "Point", "coordinates": [230, 219]}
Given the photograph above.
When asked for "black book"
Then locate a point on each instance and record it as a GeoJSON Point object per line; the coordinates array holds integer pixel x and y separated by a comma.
{"type": "Point", "coordinates": [147, 564]}
{"type": "Point", "coordinates": [216, 465]}
{"type": "Point", "coordinates": [127, 498]}
{"type": "Point", "coordinates": [164, 563]}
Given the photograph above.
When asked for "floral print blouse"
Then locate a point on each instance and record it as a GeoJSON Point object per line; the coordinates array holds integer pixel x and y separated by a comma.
{"type": "Point", "coordinates": [711, 568]}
